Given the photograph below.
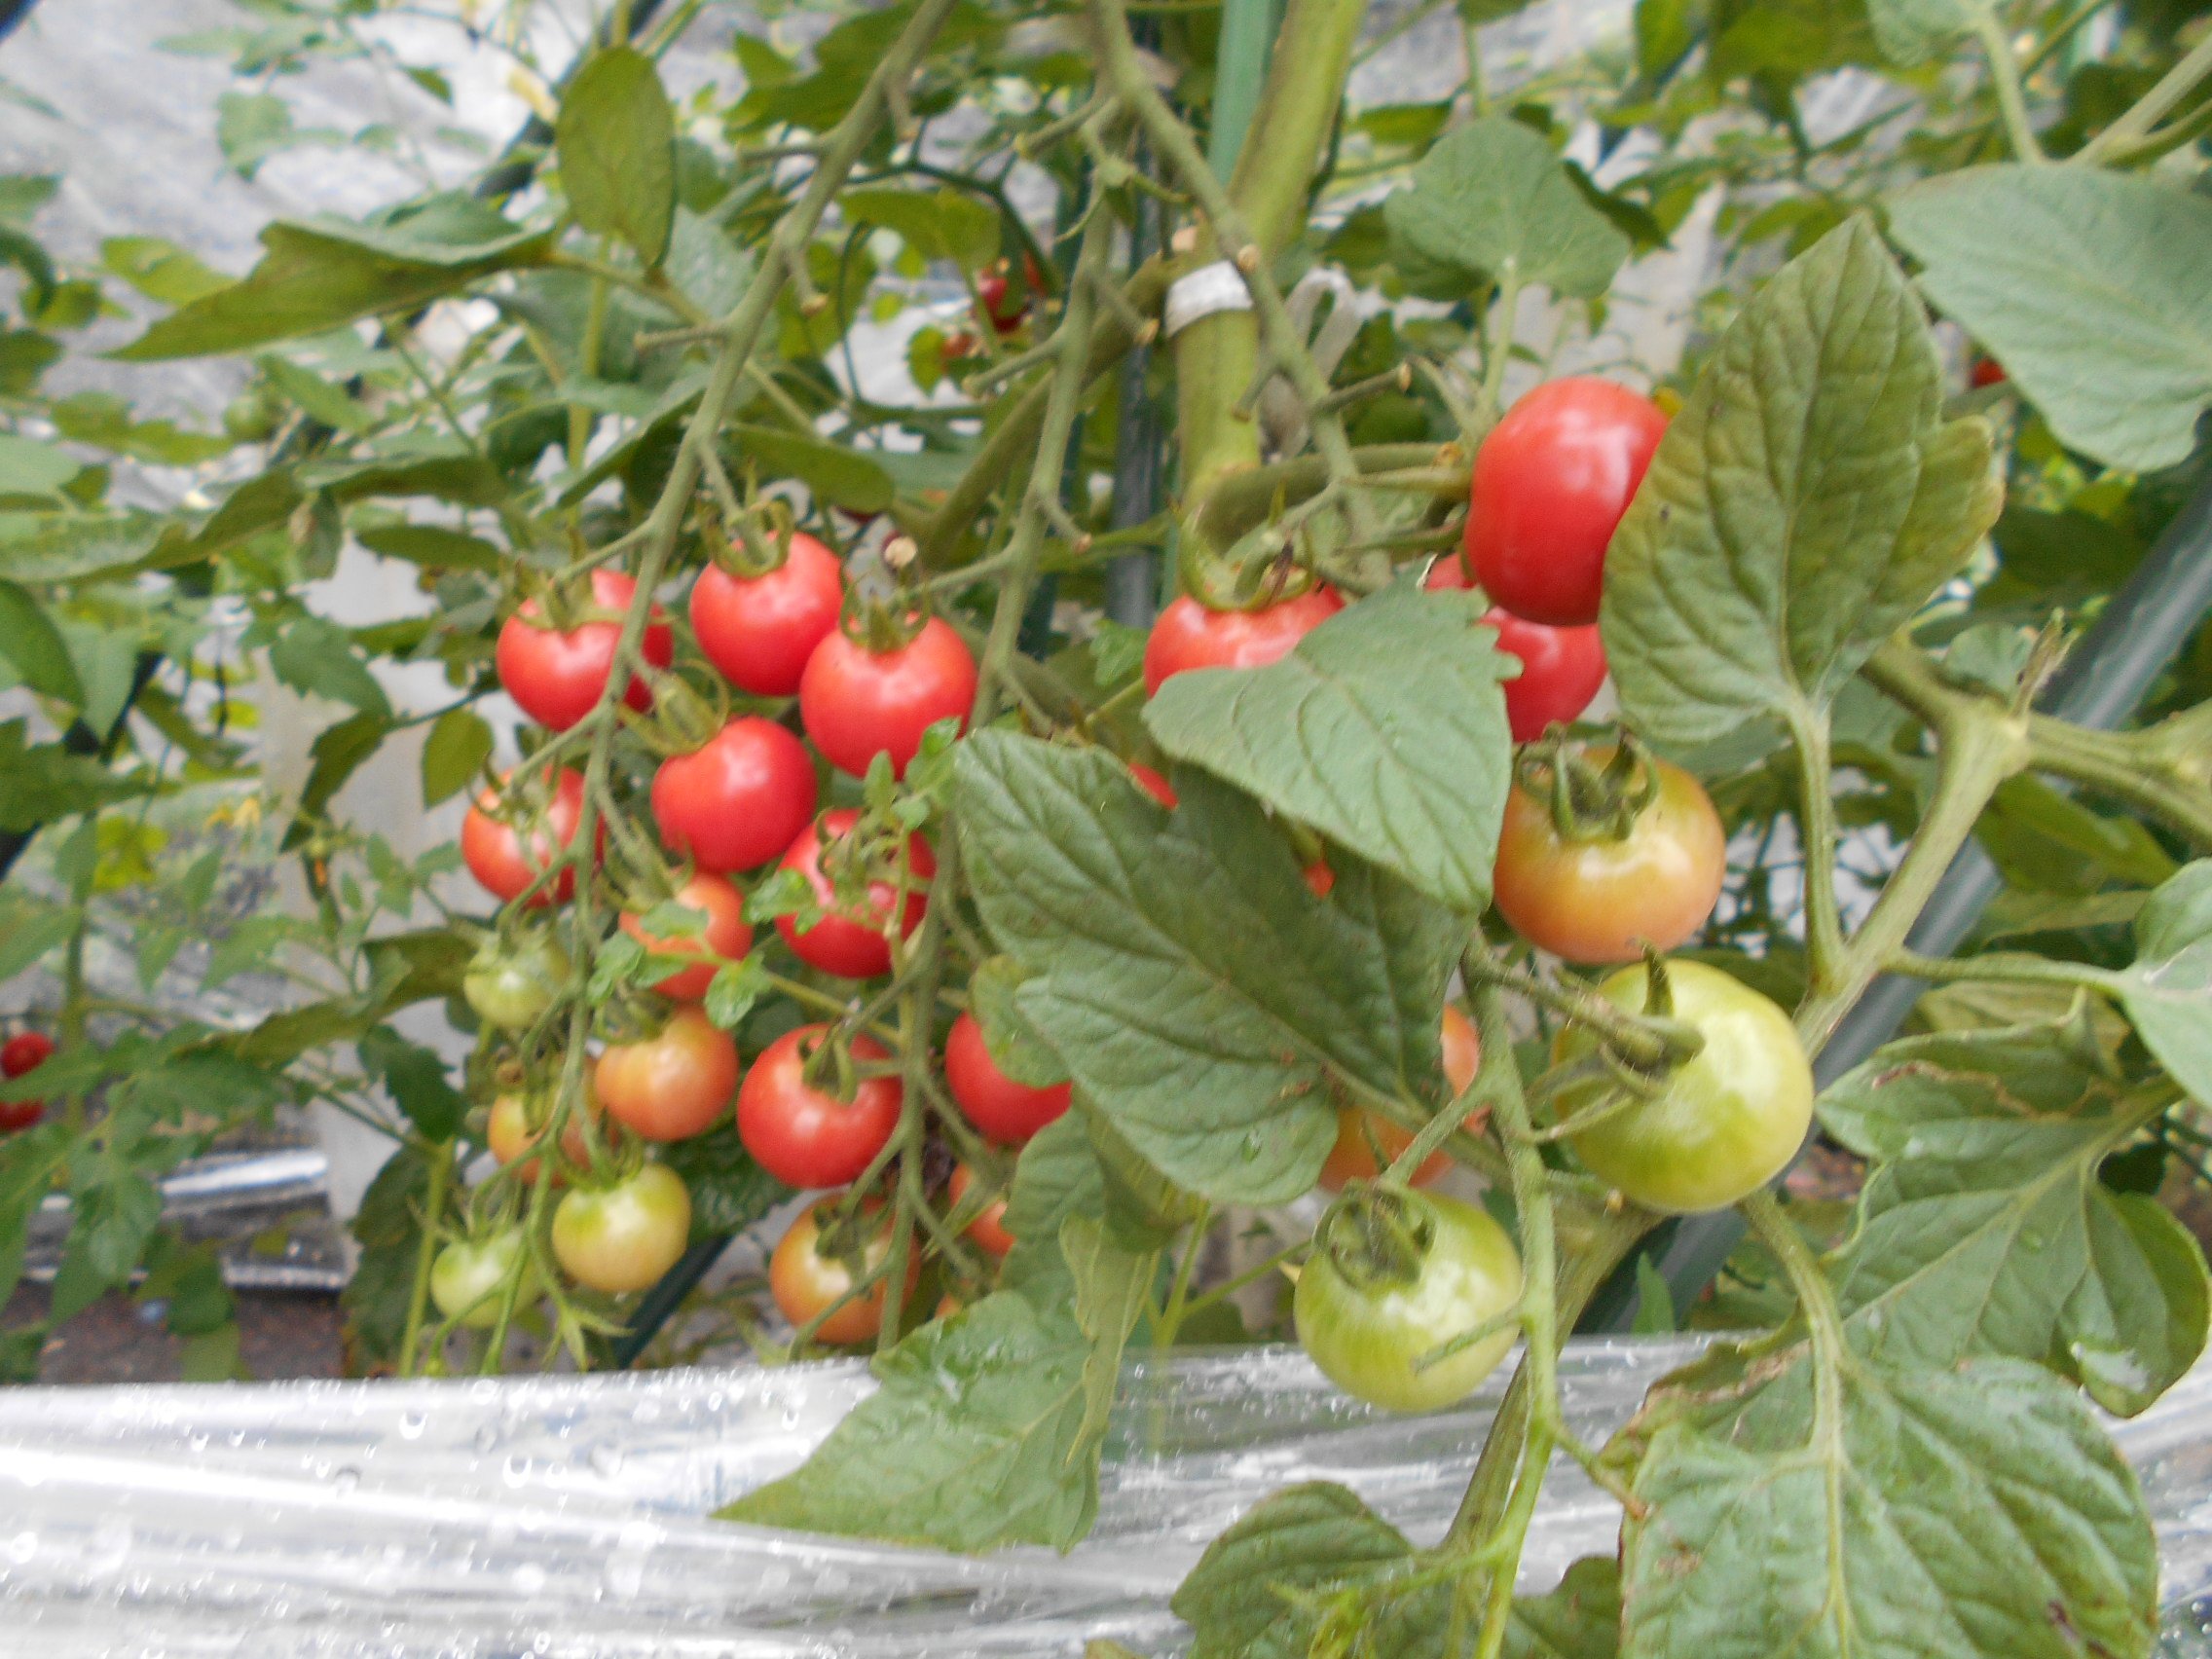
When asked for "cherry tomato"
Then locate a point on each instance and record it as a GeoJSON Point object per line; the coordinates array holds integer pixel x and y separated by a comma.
{"type": "Point", "coordinates": [988, 1231]}
{"type": "Point", "coordinates": [1373, 1299]}
{"type": "Point", "coordinates": [624, 1236]}
{"type": "Point", "coordinates": [1000, 303]}
{"type": "Point", "coordinates": [1153, 784]}
{"type": "Point", "coordinates": [1006, 1111]}
{"type": "Point", "coordinates": [517, 1124]}
{"type": "Point", "coordinates": [556, 676]}
{"type": "Point", "coordinates": [1730, 1118]}
{"type": "Point", "coordinates": [1189, 635]}
{"type": "Point", "coordinates": [673, 1084]}
{"type": "Point", "coordinates": [848, 943]}
{"type": "Point", "coordinates": [725, 939]}
{"type": "Point", "coordinates": [494, 850]}
{"type": "Point", "coordinates": [760, 630]}
{"type": "Point", "coordinates": [804, 1282]}
{"type": "Point", "coordinates": [1986, 371]}
{"type": "Point", "coordinates": [1320, 879]}
{"type": "Point", "coordinates": [1550, 482]}
{"type": "Point", "coordinates": [1602, 901]}
{"type": "Point", "coordinates": [857, 704]}
{"type": "Point", "coordinates": [510, 988]}
{"type": "Point", "coordinates": [468, 1279]}
{"type": "Point", "coordinates": [805, 1135]}
{"type": "Point", "coordinates": [1561, 671]}
{"type": "Point", "coordinates": [25, 1052]}
{"type": "Point", "coordinates": [736, 802]}
{"type": "Point", "coordinates": [1352, 1160]}
{"type": "Point", "coordinates": [1449, 573]}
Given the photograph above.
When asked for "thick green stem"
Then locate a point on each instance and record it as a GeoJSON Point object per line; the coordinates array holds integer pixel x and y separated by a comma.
{"type": "Point", "coordinates": [2127, 133]}
{"type": "Point", "coordinates": [426, 1253]}
{"type": "Point", "coordinates": [2004, 77]}
{"type": "Point", "coordinates": [1817, 833]}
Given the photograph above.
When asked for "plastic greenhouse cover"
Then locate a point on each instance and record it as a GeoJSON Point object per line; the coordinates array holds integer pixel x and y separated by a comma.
{"type": "Point", "coordinates": [563, 1515]}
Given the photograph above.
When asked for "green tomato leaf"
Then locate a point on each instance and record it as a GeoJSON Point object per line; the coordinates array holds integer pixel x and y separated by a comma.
{"type": "Point", "coordinates": [1057, 1178]}
{"type": "Point", "coordinates": [1493, 200]}
{"type": "Point", "coordinates": [1908, 32]}
{"type": "Point", "coordinates": [455, 751]}
{"type": "Point", "coordinates": [1199, 995]}
{"type": "Point", "coordinates": [44, 782]}
{"type": "Point", "coordinates": [1112, 1287]}
{"type": "Point", "coordinates": [2168, 993]}
{"type": "Point", "coordinates": [2087, 285]}
{"type": "Point", "coordinates": [1384, 729]}
{"type": "Point", "coordinates": [33, 644]}
{"type": "Point", "coordinates": [319, 272]}
{"type": "Point", "coordinates": [1306, 1559]}
{"type": "Point", "coordinates": [28, 467]}
{"type": "Point", "coordinates": [1986, 1230]}
{"type": "Point", "coordinates": [975, 1439]}
{"type": "Point", "coordinates": [416, 1079]}
{"type": "Point", "coordinates": [318, 657]}
{"type": "Point", "coordinates": [29, 1160]}
{"type": "Point", "coordinates": [615, 139]}
{"type": "Point", "coordinates": [942, 224]}
{"type": "Point", "coordinates": [1016, 1045]}
{"type": "Point", "coordinates": [160, 269]}
{"type": "Point", "coordinates": [733, 991]}
{"type": "Point", "coordinates": [1806, 502]}
{"type": "Point", "coordinates": [1975, 1512]}
{"type": "Point", "coordinates": [1581, 1619]}
{"type": "Point", "coordinates": [842, 476]}
{"type": "Point", "coordinates": [729, 1190]}
{"type": "Point", "coordinates": [433, 546]}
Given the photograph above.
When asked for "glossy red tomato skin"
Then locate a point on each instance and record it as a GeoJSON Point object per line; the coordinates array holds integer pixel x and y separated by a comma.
{"type": "Point", "coordinates": [1153, 784]}
{"type": "Point", "coordinates": [25, 1052]}
{"type": "Point", "coordinates": [725, 939]}
{"type": "Point", "coordinates": [1189, 635]}
{"type": "Point", "coordinates": [1350, 1158]}
{"type": "Point", "coordinates": [625, 1237]}
{"type": "Point", "coordinates": [806, 1136]}
{"type": "Point", "coordinates": [856, 703]}
{"type": "Point", "coordinates": [1006, 1111]}
{"type": "Point", "coordinates": [804, 1282]}
{"type": "Point", "coordinates": [736, 802]}
{"type": "Point", "coordinates": [1561, 672]}
{"type": "Point", "coordinates": [988, 1231]}
{"type": "Point", "coordinates": [556, 678]}
{"type": "Point", "coordinates": [841, 942]}
{"type": "Point", "coordinates": [1601, 901]}
{"type": "Point", "coordinates": [1005, 309]}
{"type": "Point", "coordinates": [673, 1084]}
{"type": "Point", "coordinates": [759, 631]}
{"type": "Point", "coordinates": [495, 854]}
{"type": "Point", "coordinates": [1550, 482]}
{"type": "Point", "coordinates": [1986, 372]}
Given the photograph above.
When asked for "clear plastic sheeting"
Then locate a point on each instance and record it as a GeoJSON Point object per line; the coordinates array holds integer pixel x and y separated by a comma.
{"type": "Point", "coordinates": [563, 1515]}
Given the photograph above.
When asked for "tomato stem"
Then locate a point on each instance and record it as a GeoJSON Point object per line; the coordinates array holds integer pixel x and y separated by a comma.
{"type": "Point", "coordinates": [419, 1292]}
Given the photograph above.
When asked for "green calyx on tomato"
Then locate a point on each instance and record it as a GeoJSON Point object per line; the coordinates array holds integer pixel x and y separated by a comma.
{"type": "Point", "coordinates": [468, 1280]}
{"type": "Point", "coordinates": [511, 984]}
{"type": "Point", "coordinates": [1724, 1123]}
{"type": "Point", "coordinates": [1394, 1275]}
{"type": "Point", "coordinates": [1600, 857]}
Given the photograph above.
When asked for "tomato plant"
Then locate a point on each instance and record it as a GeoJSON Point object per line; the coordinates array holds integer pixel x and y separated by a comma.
{"type": "Point", "coordinates": [1415, 406]}
{"type": "Point", "coordinates": [622, 1236]}
{"type": "Point", "coordinates": [759, 630]}
{"type": "Point", "coordinates": [672, 1084]}
{"type": "Point", "coordinates": [1395, 1274]}
{"type": "Point", "coordinates": [737, 801]}
{"type": "Point", "coordinates": [849, 939]}
{"type": "Point", "coordinates": [818, 1131]}
{"type": "Point", "coordinates": [469, 1279]}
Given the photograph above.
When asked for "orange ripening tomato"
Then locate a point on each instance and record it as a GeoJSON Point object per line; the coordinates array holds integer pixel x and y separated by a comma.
{"type": "Point", "coordinates": [1352, 1160]}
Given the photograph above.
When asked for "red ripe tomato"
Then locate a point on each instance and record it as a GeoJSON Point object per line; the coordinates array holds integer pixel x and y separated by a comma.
{"type": "Point", "coordinates": [673, 1084]}
{"type": "Point", "coordinates": [1603, 899]}
{"type": "Point", "coordinates": [737, 800]}
{"type": "Point", "coordinates": [1352, 1160]}
{"type": "Point", "coordinates": [843, 942]}
{"type": "Point", "coordinates": [1190, 636]}
{"type": "Point", "coordinates": [857, 704]}
{"type": "Point", "coordinates": [1001, 304]}
{"type": "Point", "coordinates": [725, 939]}
{"type": "Point", "coordinates": [1449, 573]}
{"type": "Point", "coordinates": [496, 856]}
{"type": "Point", "coordinates": [1550, 482]}
{"type": "Point", "coordinates": [557, 676]}
{"type": "Point", "coordinates": [25, 1052]}
{"type": "Point", "coordinates": [1006, 1111]}
{"type": "Point", "coordinates": [806, 1136]}
{"type": "Point", "coordinates": [1320, 879]}
{"type": "Point", "coordinates": [1986, 372]}
{"type": "Point", "coordinates": [518, 1123]}
{"type": "Point", "coordinates": [760, 630]}
{"type": "Point", "coordinates": [1561, 671]}
{"type": "Point", "coordinates": [1153, 784]}
{"type": "Point", "coordinates": [988, 1231]}
{"type": "Point", "coordinates": [804, 1280]}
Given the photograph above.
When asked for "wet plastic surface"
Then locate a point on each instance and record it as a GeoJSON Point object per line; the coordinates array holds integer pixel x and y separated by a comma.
{"type": "Point", "coordinates": [563, 1515]}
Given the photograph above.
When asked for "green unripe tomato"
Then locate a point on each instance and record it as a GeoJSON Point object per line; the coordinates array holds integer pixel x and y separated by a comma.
{"type": "Point", "coordinates": [1729, 1121]}
{"type": "Point", "coordinates": [1394, 1273]}
{"type": "Point", "coordinates": [624, 1236]}
{"type": "Point", "coordinates": [468, 1280]}
{"type": "Point", "coordinates": [510, 988]}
